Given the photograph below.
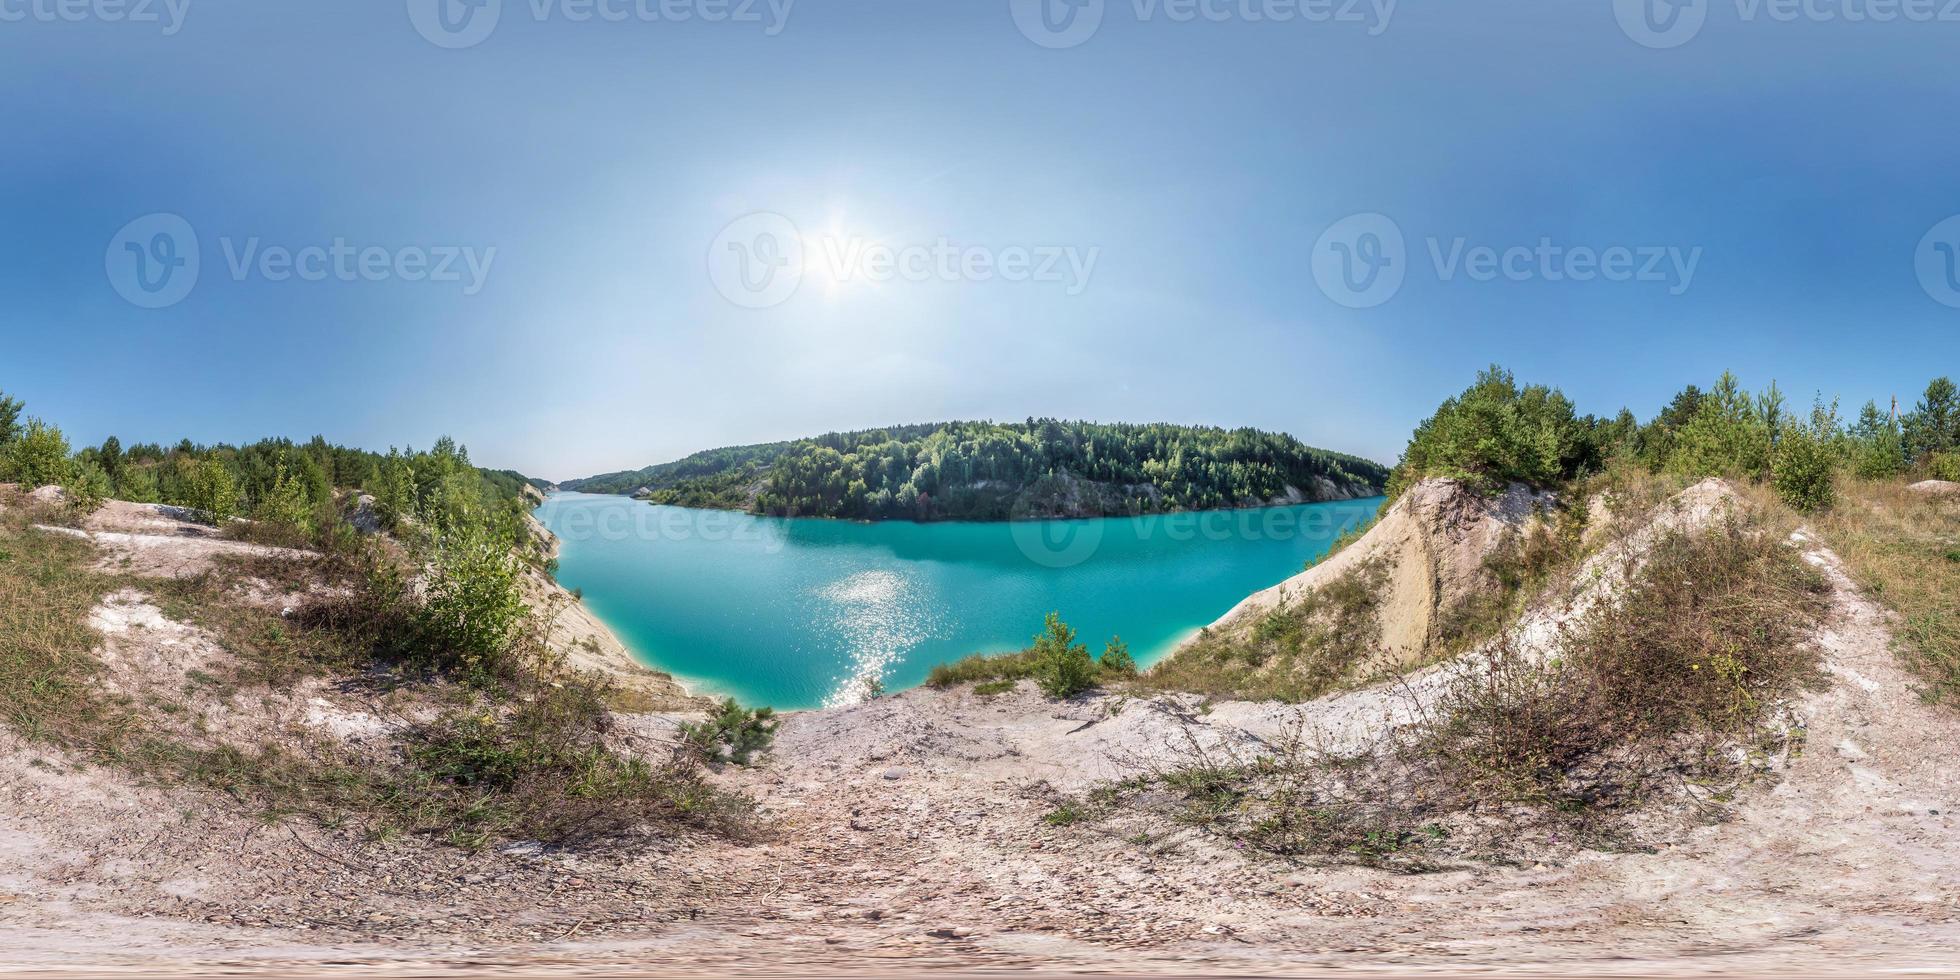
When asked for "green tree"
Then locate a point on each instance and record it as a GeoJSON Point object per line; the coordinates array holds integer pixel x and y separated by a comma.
{"type": "Point", "coordinates": [137, 485]}
{"type": "Point", "coordinates": [86, 488]}
{"type": "Point", "coordinates": [10, 410]}
{"type": "Point", "coordinates": [1729, 434]}
{"type": "Point", "coordinates": [732, 734]}
{"type": "Point", "coordinates": [393, 487]}
{"type": "Point", "coordinates": [285, 506]}
{"type": "Point", "coordinates": [1933, 426]}
{"type": "Point", "coordinates": [1496, 432]}
{"type": "Point", "coordinates": [37, 456]}
{"type": "Point", "coordinates": [1116, 660]}
{"type": "Point", "coordinates": [1805, 469]}
{"type": "Point", "coordinates": [1877, 445]}
{"type": "Point", "coordinates": [111, 457]}
{"type": "Point", "coordinates": [210, 489]}
{"type": "Point", "coordinates": [1062, 667]}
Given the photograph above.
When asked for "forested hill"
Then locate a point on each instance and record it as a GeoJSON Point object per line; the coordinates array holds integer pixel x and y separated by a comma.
{"type": "Point", "coordinates": [1000, 471]}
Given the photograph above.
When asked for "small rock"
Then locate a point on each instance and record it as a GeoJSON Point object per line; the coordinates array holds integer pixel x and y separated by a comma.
{"type": "Point", "coordinates": [895, 773]}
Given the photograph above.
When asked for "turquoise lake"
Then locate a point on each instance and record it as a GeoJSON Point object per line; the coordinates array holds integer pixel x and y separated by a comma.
{"type": "Point", "coordinates": [798, 613]}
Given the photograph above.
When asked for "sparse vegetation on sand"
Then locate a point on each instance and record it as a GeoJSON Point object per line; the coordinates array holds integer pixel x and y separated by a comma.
{"type": "Point", "coordinates": [1903, 549]}
{"type": "Point", "coordinates": [1060, 666]}
{"type": "Point", "coordinates": [1294, 652]}
{"type": "Point", "coordinates": [494, 737]}
{"type": "Point", "coordinates": [1657, 700]}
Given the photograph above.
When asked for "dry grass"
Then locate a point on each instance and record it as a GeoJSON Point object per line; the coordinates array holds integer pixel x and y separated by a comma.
{"type": "Point", "coordinates": [1296, 652]}
{"type": "Point", "coordinates": [1903, 550]}
{"type": "Point", "coordinates": [46, 661]}
{"type": "Point", "coordinates": [522, 757]}
{"type": "Point", "coordinates": [1660, 705]}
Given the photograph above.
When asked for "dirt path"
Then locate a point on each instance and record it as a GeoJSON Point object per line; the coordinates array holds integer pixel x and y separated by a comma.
{"type": "Point", "coordinates": [909, 835]}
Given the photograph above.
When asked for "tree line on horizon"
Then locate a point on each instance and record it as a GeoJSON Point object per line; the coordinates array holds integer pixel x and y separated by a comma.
{"type": "Point", "coordinates": [994, 471]}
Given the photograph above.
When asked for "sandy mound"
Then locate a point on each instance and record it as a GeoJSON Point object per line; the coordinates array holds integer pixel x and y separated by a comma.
{"type": "Point", "coordinates": [1434, 540]}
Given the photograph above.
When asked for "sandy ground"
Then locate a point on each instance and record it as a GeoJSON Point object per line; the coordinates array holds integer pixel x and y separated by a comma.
{"type": "Point", "coordinates": [906, 835]}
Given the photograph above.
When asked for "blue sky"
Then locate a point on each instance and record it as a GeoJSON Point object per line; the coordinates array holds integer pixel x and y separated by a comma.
{"type": "Point", "coordinates": [1200, 172]}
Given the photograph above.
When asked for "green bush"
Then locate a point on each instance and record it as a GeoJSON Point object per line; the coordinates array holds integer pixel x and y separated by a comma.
{"type": "Point", "coordinates": [37, 457]}
{"type": "Point", "coordinates": [137, 485]}
{"type": "Point", "coordinates": [86, 489]}
{"type": "Point", "coordinates": [733, 734]}
{"type": "Point", "coordinates": [1944, 466]}
{"type": "Point", "coordinates": [1494, 433]}
{"type": "Point", "coordinates": [473, 605]}
{"type": "Point", "coordinates": [1804, 473]}
{"type": "Point", "coordinates": [1063, 667]}
{"type": "Point", "coordinates": [1877, 446]}
{"type": "Point", "coordinates": [284, 508]}
{"type": "Point", "coordinates": [210, 490]}
{"type": "Point", "coordinates": [1730, 433]}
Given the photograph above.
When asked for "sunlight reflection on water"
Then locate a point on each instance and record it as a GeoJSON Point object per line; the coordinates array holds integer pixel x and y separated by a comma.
{"type": "Point", "coordinates": [882, 615]}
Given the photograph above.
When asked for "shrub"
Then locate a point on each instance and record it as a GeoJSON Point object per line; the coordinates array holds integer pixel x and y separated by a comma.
{"type": "Point", "coordinates": [1804, 473]}
{"type": "Point", "coordinates": [1062, 667]}
{"type": "Point", "coordinates": [1944, 466]}
{"type": "Point", "coordinates": [473, 605]}
{"type": "Point", "coordinates": [210, 490]}
{"type": "Point", "coordinates": [983, 668]}
{"type": "Point", "coordinates": [86, 488]}
{"type": "Point", "coordinates": [1496, 432]}
{"type": "Point", "coordinates": [1116, 661]}
{"type": "Point", "coordinates": [733, 734]}
{"type": "Point", "coordinates": [38, 456]}
{"type": "Point", "coordinates": [1710, 633]}
{"type": "Point", "coordinates": [283, 511]}
{"type": "Point", "coordinates": [1729, 434]}
{"type": "Point", "coordinates": [137, 485]}
{"type": "Point", "coordinates": [1877, 446]}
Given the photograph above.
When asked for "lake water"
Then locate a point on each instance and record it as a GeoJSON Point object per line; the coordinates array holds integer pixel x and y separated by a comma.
{"type": "Point", "coordinates": [798, 613]}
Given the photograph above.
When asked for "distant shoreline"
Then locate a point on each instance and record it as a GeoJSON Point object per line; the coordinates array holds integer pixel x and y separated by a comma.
{"type": "Point", "coordinates": [1007, 520]}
